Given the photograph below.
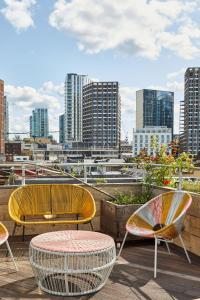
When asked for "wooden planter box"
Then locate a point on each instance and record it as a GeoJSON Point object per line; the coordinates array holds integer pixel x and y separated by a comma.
{"type": "Point", "coordinates": [113, 219]}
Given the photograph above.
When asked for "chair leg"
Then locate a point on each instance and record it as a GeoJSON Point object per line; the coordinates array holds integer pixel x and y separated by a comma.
{"type": "Point", "coordinates": [91, 226]}
{"type": "Point", "coordinates": [185, 250]}
{"type": "Point", "coordinates": [14, 228]}
{"type": "Point", "coordinates": [168, 249]}
{"type": "Point", "coordinates": [77, 219]}
{"type": "Point", "coordinates": [155, 257]}
{"type": "Point", "coordinates": [23, 231]}
{"type": "Point", "coordinates": [122, 244]}
{"type": "Point", "coordinates": [11, 255]}
{"type": "Point", "coordinates": [13, 233]}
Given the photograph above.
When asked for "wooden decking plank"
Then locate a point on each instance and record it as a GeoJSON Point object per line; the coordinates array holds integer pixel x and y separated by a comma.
{"type": "Point", "coordinates": [127, 281]}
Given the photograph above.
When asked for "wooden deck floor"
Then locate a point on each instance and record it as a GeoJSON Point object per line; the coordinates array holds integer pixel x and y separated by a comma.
{"type": "Point", "coordinates": [131, 278]}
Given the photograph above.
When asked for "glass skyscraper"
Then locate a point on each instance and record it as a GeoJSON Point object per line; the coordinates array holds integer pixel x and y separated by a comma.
{"type": "Point", "coordinates": [73, 106]}
{"type": "Point", "coordinates": [154, 108]}
{"type": "Point", "coordinates": [39, 125]}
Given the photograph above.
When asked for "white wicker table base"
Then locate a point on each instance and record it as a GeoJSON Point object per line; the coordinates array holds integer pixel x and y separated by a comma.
{"type": "Point", "coordinates": [82, 265]}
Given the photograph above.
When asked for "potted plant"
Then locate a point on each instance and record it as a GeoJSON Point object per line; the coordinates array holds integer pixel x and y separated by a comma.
{"type": "Point", "coordinates": [115, 213]}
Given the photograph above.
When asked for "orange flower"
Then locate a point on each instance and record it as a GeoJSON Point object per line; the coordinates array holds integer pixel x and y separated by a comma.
{"type": "Point", "coordinates": [166, 181]}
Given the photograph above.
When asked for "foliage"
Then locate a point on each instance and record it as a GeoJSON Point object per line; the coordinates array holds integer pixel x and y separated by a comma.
{"type": "Point", "coordinates": [125, 169]}
{"type": "Point", "coordinates": [101, 180]}
{"type": "Point", "coordinates": [191, 186]}
{"type": "Point", "coordinates": [167, 167]}
{"type": "Point", "coordinates": [163, 173]}
{"type": "Point", "coordinates": [126, 199]}
{"type": "Point", "coordinates": [184, 162]}
{"type": "Point", "coordinates": [74, 172]}
{"type": "Point", "coordinates": [12, 178]}
{"type": "Point", "coordinates": [129, 159]}
{"type": "Point", "coordinates": [154, 144]}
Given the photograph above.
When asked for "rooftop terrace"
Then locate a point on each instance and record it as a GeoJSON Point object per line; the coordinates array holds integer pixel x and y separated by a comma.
{"type": "Point", "coordinates": [131, 278]}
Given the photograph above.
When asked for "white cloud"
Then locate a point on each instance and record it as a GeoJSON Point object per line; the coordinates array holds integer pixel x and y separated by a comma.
{"type": "Point", "coordinates": [128, 110]}
{"type": "Point", "coordinates": [19, 13]}
{"type": "Point", "coordinates": [23, 99]}
{"type": "Point", "coordinates": [133, 26]}
{"type": "Point", "coordinates": [175, 74]}
{"type": "Point", "coordinates": [175, 86]}
{"type": "Point", "coordinates": [50, 87]}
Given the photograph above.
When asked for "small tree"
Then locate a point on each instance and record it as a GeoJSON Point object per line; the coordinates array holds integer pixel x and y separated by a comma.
{"type": "Point", "coordinates": [184, 163]}
{"type": "Point", "coordinates": [154, 144]}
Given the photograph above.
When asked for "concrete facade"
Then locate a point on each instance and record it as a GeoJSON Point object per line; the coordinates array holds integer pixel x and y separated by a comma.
{"type": "Point", "coordinates": [101, 115]}
{"type": "Point", "coordinates": [142, 138]}
{"type": "Point", "coordinates": [2, 126]}
{"type": "Point", "coordinates": [190, 134]}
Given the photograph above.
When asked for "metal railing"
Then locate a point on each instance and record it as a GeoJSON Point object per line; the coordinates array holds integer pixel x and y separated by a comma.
{"type": "Point", "coordinates": [125, 170]}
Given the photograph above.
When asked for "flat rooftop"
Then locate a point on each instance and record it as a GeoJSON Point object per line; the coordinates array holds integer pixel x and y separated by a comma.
{"type": "Point", "coordinates": [131, 278]}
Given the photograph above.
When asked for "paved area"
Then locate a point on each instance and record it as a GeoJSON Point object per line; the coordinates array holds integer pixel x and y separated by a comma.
{"type": "Point", "coordinates": [131, 278]}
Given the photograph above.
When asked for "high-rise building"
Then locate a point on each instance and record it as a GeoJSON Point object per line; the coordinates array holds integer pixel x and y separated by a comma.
{"type": "Point", "coordinates": [39, 124]}
{"type": "Point", "coordinates": [2, 141]}
{"type": "Point", "coordinates": [101, 115]}
{"type": "Point", "coordinates": [154, 108]}
{"type": "Point", "coordinates": [190, 138]}
{"type": "Point", "coordinates": [61, 128]}
{"type": "Point", "coordinates": [73, 106]}
{"type": "Point", "coordinates": [6, 119]}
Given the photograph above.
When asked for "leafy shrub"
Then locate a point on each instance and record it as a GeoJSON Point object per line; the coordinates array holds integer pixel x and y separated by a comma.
{"type": "Point", "coordinates": [125, 199]}
{"type": "Point", "coordinates": [191, 186]}
{"type": "Point", "coordinates": [167, 167]}
{"type": "Point", "coordinates": [101, 180]}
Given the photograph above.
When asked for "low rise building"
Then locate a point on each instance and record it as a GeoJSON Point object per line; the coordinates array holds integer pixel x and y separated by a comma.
{"type": "Point", "coordinates": [142, 138]}
{"type": "Point", "coordinates": [12, 149]}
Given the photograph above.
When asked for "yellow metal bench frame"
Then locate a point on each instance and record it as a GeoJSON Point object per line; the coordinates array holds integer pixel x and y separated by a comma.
{"type": "Point", "coordinates": [39, 200]}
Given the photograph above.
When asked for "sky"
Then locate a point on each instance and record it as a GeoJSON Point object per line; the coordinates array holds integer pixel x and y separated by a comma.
{"type": "Point", "coordinates": [140, 43]}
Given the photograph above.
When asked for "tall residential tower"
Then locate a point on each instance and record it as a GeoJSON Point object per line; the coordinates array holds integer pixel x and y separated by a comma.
{"type": "Point", "coordinates": [2, 110]}
{"type": "Point", "coordinates": [73, 106]}
{"type": "Point", "coordinates": [61, 128]}
{"type": "Point", "coordinates": [154, 108]}
{"type": "Point", "coordinates": [6, 119]}
{"type": "Point", "coordinates": [190, 139]}
{"type": "Point", "coordinates": [101, 115]}
{"type": "Point", "coordinates": [39, 124]}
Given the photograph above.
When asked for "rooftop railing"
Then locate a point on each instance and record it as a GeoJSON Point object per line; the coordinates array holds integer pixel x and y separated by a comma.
{"type": "Point", "coordinates": [86, 172]}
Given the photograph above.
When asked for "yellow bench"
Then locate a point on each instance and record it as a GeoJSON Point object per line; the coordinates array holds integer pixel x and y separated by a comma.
{"type": "Point", "coordinates": [38, 203]}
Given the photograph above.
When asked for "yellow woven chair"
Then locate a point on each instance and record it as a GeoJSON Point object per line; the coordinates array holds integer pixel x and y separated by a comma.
{"type": "Point", "coordinates": [162, 219]}
{"type": "Point", "coordinates": [36, 204]}
{"type": "Point", "coordinates": [4, 239]}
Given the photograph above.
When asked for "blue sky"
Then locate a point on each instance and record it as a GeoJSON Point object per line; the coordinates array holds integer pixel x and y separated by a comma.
{"type": "Point", "coordinates": [141, 44]}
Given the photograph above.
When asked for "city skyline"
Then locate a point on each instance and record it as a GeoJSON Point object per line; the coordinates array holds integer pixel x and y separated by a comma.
{"type": "Point", "coordinates": [40, 47]}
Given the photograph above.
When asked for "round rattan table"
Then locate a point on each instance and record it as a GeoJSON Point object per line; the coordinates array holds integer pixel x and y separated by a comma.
{"type": "Point", "coordinates": [70, 263]}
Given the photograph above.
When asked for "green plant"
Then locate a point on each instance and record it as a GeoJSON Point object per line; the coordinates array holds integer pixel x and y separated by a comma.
{"type": "Point", "coordinates": [191, 186]}
{"type": "Point", "coordinates": [126, 199]}
{"type": "Point", "coordinates": [12, 179]}
{"type": "Point", "coordinates": [154, 144]}
{"type": "Point", "coordinates": [184, 162]}
{"type": "Point", "coordinates": [74, 172]}
{"type": "Point", "coordinates": [100, 180]}
{"type": "Point", "coordinates": [160, 170]}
